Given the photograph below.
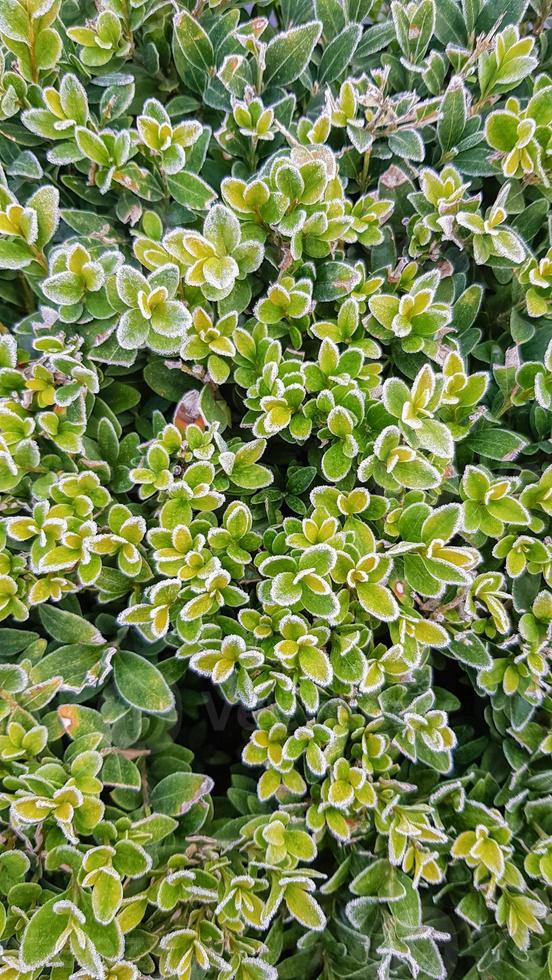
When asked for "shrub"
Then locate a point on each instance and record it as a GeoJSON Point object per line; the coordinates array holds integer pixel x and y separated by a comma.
{"type": "Point", "coordinates": [276, 492]}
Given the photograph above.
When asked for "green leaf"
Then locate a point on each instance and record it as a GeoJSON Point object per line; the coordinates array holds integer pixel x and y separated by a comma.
{"type": "Point", "coordinates": [92, 147]}
{"type": "Point", "coordinates": [14, 255]}
{"type": "Point", "coordinates": [497, 444]}
{"type": "Point", "coordinates": [121, 772]}
{"type": "Point", "coordinates": [450, 27]}
{"type": "Point", "coordinates": [14, 22]}
{"type": "Point", "coordinates": [427, 957]}
{"type": "Point", "coordinates": [408, 144]}
{"type": "Point", "coordinates": [304, 908]}
{"type": "Point", "coordinates": [335, 464]}
{"type": "Point", "coordinates": [76, 663]}
{"type": "Point", "coordinates": [472, 909]}
{"type": "Point", "coordinates": [288, 54]}
{"type": "Point", "coordinates": [338, 54]}
{"type": "Point", "coordinates": [378, 601]}
{"type": "Point", "coordinates": [194, 42]}
{"type": "Point", "coordinates": [422, 25]}
{"type": "Point", "coordinates": [357, 10]}
{"type": "Point", "coordinates": [453, 115]}
{"type": "Point", "coordinates": [316, 666]}
{"type": "Point", "coordinates": [177, 793]}
{"type": "Point", "coordinates": [214, 408]}
{"type": "Point", "coordinates": [509, 510]}
{"type": "Point", "coordinates": [190, 190]}
{"type": "Point", "coordinates": [529, 222]}
{"type": "Point", "coordinates": [105, 937]}
{"type": "Point", "coordinates": [155, 827]}
{"type": "Point", "coordinates": [106, 897]}
{"type": "Point", "coordinates": [331, 13]}
{"type": "Point", "coordinates": [470, 650]}
{"type": "Point", "coordinates": [251, 476]}
{"type": "Point", "coordinates": [45, 201]}
{"type": "Point", "coordinates": [300, 479]}
{"type": "Point", "coordinates": [141, 684]}
{"type": "Point", "coordinates": [500, 12]}
{"type": "Point", "coordinates": [374, 39]}
{"type": "Point", "coordinates": [476, 162]}
{"type": "Point", "coordinates": [14, 641]}
{"type": "Point", "coordinates": [13, 866]}
{"type": "Point", "coordinates": [335, 280]}
{"type": "Point", "coordinates": [378, 881]}
{"type": "Point", "coordinates": [467, 307]}
{"type": "Point", "coordinates": [43, 934]}
{"type": "Point", "coordinates": [13, 679]}
{"type": "Point", "coordinates": [169, 383]}
{"type": "Point", "coordinates": [73, 98]}
{"type": "Point", "coordinates": [84, 222]}
{"type": "Point", "coordinates": [47, 49]}
{"type": "Point", "coordinates": [67, 627]}
{"type": "Point", "coordinates": [443, 523]}
{"type": "Point", "coordinates": [436, 438]}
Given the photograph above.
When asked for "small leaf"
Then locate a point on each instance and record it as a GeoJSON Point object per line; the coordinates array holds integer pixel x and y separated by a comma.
{"type": "Point", "coordinates": [497, 444]}
{"type": "Point", "coordinates": [141, 684]}
{"type": "Point", "coordinates": [453, 115]}
{"type": "Point", "coordinates": [408, 144]}
{"type": "Point", "coordinates": [450, 27]}
{"type": "Point", "coordinates": [194, 42]}
{"type": "Point", "coordinates": [67, 627]}
{"type": "Point", "coordinates": [121, 772]}
{"type": "Point", "coordinates": [469, 650]}
{"type": "Point", "coordinates": [338, 53]}
{"type": "Point", "coordinates": [43, 933]}
{"type": "Point", "coordinates": [177, 793]}
{"type": "Point", "coordinates": [304, 908]}
{"type": "Point", "coordinates": [288, 54]}
{"type": "Point", "coordinates": [14, 641]}
{"type": "Point", "coordinates": [335, 280]}
{"type": "Point", "coordinates": [190, 190]}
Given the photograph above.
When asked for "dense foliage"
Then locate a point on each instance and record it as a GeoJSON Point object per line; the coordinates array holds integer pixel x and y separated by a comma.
{"type": "Point", "coordinates": [276, 490]}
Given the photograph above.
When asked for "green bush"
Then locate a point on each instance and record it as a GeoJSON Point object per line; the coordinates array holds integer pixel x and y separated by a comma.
{"type": "Point", "coordinates": [276, 491]}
